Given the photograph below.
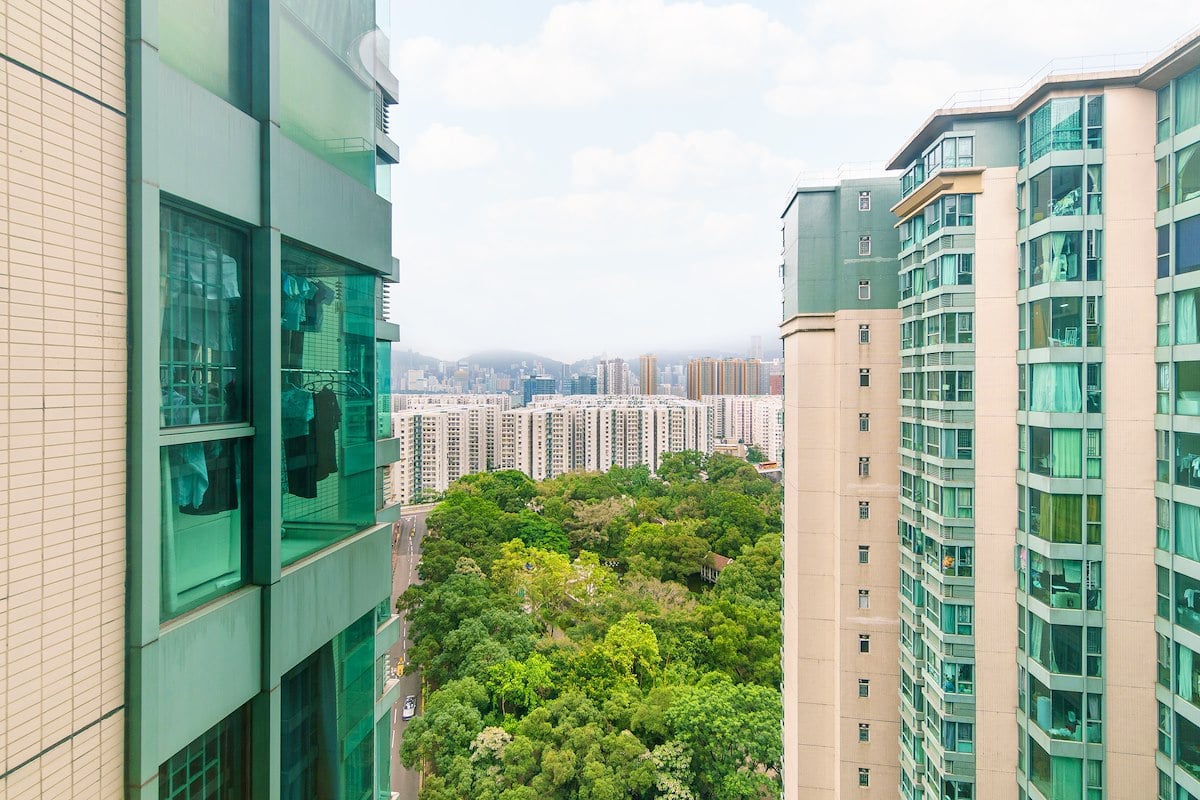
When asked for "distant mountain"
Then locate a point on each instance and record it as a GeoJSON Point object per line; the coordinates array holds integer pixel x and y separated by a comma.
{"type": "Point", "coordinates": [511, 360]}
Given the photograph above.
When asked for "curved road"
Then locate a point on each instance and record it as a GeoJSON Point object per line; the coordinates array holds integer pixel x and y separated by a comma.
{"type": "Point", "coordinates": [406, 552]}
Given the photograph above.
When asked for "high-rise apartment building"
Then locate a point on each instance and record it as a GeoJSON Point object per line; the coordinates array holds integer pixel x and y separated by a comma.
{"type": "Point", "coordinates": [612, 377]}
{"type": "Point", "coordinates": [440, 444]}
{"type": "Point", "coordinates": [749, 419]}
{"type": "Point", "coordinates": [648, 369]}
{"type": "Point", "coordinates": [1041, 558]}
{"type": "Point", "coordinates": [196, 577]}
{"type": "Point", "coordinates": [707, 376]}
{"type": "Point", "coordinates": [840, 336]}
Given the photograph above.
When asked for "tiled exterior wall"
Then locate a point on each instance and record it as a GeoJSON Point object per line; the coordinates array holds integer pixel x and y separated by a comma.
{"type": "Point", "coordinates": [62, 398]}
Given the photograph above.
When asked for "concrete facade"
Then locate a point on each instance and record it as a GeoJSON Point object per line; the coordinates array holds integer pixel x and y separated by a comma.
{"type": "Point", "coordinates": [63, 385]}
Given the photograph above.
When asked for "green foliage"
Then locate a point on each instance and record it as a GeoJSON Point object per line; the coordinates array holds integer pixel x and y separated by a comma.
{"type": "Point", "coordinates": [553, 675]}
{"type": "Point", "coordinates": [754, 455]}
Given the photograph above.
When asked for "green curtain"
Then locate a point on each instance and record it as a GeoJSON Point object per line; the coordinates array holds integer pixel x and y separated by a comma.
{"type": "Point", "coordinates": [1067, 776]}
{"type": "Point", "coordinates": [1056, 387]}
{"type": "Point", "coordinates": [1068, 517]}
{"type": "Point", "coordinates": [1066, 459]}
{"type": "Point", "coordinates": [1187, 531]}
{"type": "Point", "coordinates": [1187, 101]}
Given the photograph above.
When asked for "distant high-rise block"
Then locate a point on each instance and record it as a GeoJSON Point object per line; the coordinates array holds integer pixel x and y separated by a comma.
{"type": "Point", "coordinates": [612, 377]}
{"type": "Point", "coordinates": [538, 384]}
{"type": "Point", "coordinates": [707, 376]}
{"type": "Point", "coordinates": [648, 369]}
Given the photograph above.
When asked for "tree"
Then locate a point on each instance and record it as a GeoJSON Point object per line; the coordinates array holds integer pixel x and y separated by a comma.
{"type": "Point", "coordinates": [733, 734]}
{"type": "Point", "coordinates": [537, 576]}
{"type": "Point", "coordinates": [668, 552]}
{"type": "Point", "coordinates": [451, 720]}
{"type": "Point", "coordinates": [754, 455]}
{"type": "Point", "coordinates": [685, 465]}
{"type": "Point", "coordinates": [633, 648]}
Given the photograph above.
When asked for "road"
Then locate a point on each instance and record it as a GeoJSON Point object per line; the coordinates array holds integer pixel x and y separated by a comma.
{"type": "Point", "coordinates": [406, 552]}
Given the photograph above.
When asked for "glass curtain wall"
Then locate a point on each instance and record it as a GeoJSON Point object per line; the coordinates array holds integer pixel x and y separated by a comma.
{"type": "Point", "coordinates": [936, 522]}
{"type": "Point", "coordinates": [1178, 472]}
{"type": "Point", "coordinates": [328, 706]}
{"type": "Point", "coordinates": [1060, 502]}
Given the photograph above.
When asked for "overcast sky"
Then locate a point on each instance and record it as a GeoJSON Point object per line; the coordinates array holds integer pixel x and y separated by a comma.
{"type": "Point", "coordinates": [607, 175]}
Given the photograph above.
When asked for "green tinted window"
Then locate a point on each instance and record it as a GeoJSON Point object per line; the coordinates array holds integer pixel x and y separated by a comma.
{"type": "Point", "coordinates": [326, 92]}
{"type": "Point", "coordinates": [214, 767]}
{"type": "Point", "coordinates": [208, 41]}
{"type": "Point", "coordinates": [327, 401]}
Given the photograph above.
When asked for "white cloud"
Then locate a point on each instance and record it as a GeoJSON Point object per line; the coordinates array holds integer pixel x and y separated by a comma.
{"type": "Point", "coordinates": [443, 147]}
{"type": "Point", "coordinates": [586, 52]}
{"type": "Point", "coordinates": [668, 162]}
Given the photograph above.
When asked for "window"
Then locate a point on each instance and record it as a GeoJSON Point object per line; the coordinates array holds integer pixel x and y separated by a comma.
{"type": "Point", "coordinates": [864, 201]}
{"type": "Point", "coordinates": [1163, 170]}
{"type": "Point", "coordinates": [1187, 101]}
{"type": "Point", "coordinates": [1187, 174]}
{"type": "Point", "coordinates": [213, 766]}
{"type": "Point", "coordinates": [1187, 244]}
{"type": "Point", "coordinates": [864, 376]}
{"type": "Point", "coordinates": [328, 376]}
{"type": "Point", "coordinates": [864, 466]}
{"type": "Point", "coordinates": [864, 643]}
{"type": "Point", "coordinates": [864, 422]}
{"type": "Point", "coordinates": [1164, 251]}
{"type": "Point", "coordinates": [864, 598]}
{"type": "Point", "coordinates": [202, 354]}
{"type": "Point", "coordinates": [864, 687]}
{"type": "Point", "coordinates": [1095, 121]}
{"type": "Point", "coordinates": [864, 287]}
{"type": "Point", "coordinates": [1164, 113]}
{"type": "Point", "coordinates": [864, 245]}
{"type": "Point", "coordinates": [864, 554]}
{"type": "Point", "coordinates": [864, 732]}
{"type": "Point", "coordinates": [864, 776]}
{"type": "Point", "coordinates": [864, 334]}
{"type": "Point", "coordinates": [864, 509]}
{"type": "Point", "coordinates": [1164, 730]}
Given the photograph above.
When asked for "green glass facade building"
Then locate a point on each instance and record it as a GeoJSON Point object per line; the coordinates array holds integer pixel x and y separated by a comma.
{"type": "Point", "coordinates": [259, 551]}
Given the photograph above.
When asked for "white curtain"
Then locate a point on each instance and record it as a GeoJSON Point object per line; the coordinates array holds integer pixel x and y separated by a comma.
{"type": "Point", "coordinates": [1056, 388]}
{"type": "Point", "coordinates": [1186, 329]}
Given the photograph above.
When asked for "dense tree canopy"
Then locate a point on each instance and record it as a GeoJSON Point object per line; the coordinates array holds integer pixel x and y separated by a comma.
{"type": "Point", "coordinates": [570, 650]}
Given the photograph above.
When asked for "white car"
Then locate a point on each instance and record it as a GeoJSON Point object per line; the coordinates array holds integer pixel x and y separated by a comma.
{"type": "Point", "coordinates": [410, 707]}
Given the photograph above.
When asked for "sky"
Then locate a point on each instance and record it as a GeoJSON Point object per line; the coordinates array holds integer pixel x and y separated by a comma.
{"type": "Point", "coordinates": [606, 176]}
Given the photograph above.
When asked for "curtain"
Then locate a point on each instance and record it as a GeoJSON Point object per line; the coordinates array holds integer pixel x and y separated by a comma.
{"type": "Point", "coordinates": [1187, 183]}
{"type": "Point", "coordinates": [1093, 190]}
{"type": "Point", "coordinates": [1187, 101]}
{"type": "Point", "coordinates": [1068, 517]}
{"type": "Point", "coordinates": [1067, 776]}
{"type": "Point", "coordinates": [1187, 531]}
{"type": "Point", "coordinates": [1056, 388]}
{"type": "Point", "coordinates": [1066, 458]}
{"type": "Point", "coordinates": [1036, 638]}
{"type": "Point", "coordinates": [1186, 329]}
{"type": "Point", "coordinates": [1039, 321]}
{"type": "Point", "coordinates": [1186, 683]}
